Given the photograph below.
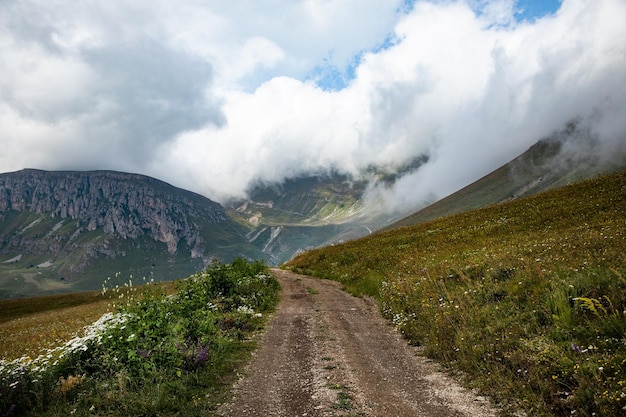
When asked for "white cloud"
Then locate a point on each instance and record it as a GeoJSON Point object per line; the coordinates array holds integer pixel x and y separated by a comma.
{"type": "Point", "coordinates": [542, 75]}
{"type": "Point", "coordinates": [213, 96]}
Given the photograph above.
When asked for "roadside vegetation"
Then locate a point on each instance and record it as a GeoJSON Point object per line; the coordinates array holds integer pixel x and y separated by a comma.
{"type": "Point", "coordinates": [526, 298]}
{"type": "Point", "coordinates": [157, 352]}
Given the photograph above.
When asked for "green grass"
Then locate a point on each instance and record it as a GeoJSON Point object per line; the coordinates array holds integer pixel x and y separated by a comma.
{"type": "Point", "coordinates": [527, 298]}
{"type": "Point", "coordinates": [344, 401]}
{"type": "Point", "coordinates": [163, 354]}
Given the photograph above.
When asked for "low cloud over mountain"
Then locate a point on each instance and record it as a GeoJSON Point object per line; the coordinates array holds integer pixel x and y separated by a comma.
{"type": "Point", "coordinates": [215, 97]}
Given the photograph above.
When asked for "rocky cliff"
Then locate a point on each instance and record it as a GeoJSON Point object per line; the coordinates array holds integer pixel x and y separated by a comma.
{"type": "Point", "coordinates": [124, 205]}
{"type": "Point", "coordinates": [70, 228]}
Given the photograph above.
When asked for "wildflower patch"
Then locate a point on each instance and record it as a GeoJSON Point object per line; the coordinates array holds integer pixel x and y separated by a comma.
{"type": "Point", "coordinates": [150, 345]}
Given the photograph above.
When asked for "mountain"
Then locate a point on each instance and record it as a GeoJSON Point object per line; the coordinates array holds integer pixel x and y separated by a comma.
{"type": "Point", "coordinates": [311, 211]}
{"type": "Point", "coordinates": [567, 156]}
{"type": "Point", "coordinates": [318, 210]}
{"type": "Point", "coordinates": [302, 213]}
{"type": "Point", "coordinates": [69, 231]}
{"type": "Point", "coordinates": [329, 208]}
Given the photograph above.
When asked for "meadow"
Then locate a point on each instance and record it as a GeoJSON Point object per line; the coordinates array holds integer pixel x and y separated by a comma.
{"type": "Point", "coordinates": [29, 327]}
{"type": "Point", "coordinates": [525, 300]}
{"type": "Point", "coordinates": [155, 351]}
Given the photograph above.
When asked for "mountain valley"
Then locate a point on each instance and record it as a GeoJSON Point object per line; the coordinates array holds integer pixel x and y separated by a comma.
{"type": "Point", "coordinates": [71, 231]}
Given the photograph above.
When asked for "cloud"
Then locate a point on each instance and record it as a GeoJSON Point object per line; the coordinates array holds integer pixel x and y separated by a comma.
{"type": "Point", "coordinates": [79, 94]}
{"type": "Point", "coordinates": [115, 81]}
{"type": "Point", "coordinates": [216, 97]}
{"type": "Point", "coordinates": [538, 77]}
{"type": "Point", "coordinates": [149, 94]}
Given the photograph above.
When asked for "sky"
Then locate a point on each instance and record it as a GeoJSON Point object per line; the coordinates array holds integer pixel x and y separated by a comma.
{"type": "Point", "coordinates": [216, 96]}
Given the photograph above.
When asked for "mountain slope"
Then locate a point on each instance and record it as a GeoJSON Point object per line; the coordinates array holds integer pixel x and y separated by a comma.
{"type": "Point", "coordinates": [567, 156]}
{"type": "Point", "coordinates": [303, 213]}
{"type": "Point", "coordinates": [66, 231]}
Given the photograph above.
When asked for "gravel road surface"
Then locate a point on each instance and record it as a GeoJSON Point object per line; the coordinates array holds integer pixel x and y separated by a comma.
{"type": "Point", "coordinates": [327, 353]}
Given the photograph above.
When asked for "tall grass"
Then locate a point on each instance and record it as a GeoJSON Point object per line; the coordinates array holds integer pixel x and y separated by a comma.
{"type": "Point", "coordinates": [527, 298]}
{"type": "Point", "coordinates": [158, 354]}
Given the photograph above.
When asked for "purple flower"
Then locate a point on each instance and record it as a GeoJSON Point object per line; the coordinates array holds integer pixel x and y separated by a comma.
{"type": "Point", "coordinates": [201, 355]}
{"type": "Point", "coordinates": [10, 411]}
{"type": "Point", "coordinates": [144, 353]}
{"type": "Point", "coordinates": [195, 354]}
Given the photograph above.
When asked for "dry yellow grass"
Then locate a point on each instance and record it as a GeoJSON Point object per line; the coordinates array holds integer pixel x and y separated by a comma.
{"type": "Point", "coordinates": [31, 326]}
{"type": "Point", "coordinates": [33, 334]}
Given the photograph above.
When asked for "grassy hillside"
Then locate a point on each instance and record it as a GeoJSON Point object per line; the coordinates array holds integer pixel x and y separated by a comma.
{"type": "Point", "coordinates": [550, 163]}
{"type": "Point", "coordinates": [161, 350]}
{"type": "Point", "coordinates": [527, 297]}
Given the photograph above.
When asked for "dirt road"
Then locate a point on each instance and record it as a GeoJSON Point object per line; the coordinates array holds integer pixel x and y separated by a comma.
{"type": "Point", "coordinates": [326, 353]}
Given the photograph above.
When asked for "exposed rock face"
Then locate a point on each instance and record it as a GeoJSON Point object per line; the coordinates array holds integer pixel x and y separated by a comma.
{"type": "Point", "coordinates": [124, 205]}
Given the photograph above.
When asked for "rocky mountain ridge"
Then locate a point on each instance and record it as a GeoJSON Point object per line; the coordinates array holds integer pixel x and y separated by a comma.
{"type": "Point", "coordinates": [125, 205]}
{"type": "Point", "coordinates": [67, 231]}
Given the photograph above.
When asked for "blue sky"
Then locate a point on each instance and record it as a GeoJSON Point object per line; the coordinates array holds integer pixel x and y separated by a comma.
{"type": "Point", "coordinates": [533, 9]}
{"type": "Point", "coordinates": [332, 76]}
{"type": "Point", "coordinates": [214, 96]}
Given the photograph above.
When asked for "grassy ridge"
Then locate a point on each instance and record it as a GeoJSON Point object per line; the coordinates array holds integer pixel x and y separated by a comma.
{"type": "Point", "coordinates": [528, 297]}
{"type": "Point", "coordinates": [159, 354]}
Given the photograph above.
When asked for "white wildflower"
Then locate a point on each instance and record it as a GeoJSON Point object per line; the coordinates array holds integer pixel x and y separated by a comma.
{"type": "Point", "coordinates": [245, 310]}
